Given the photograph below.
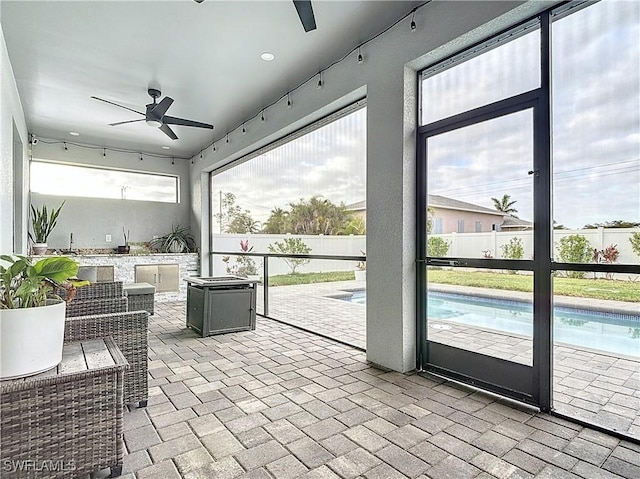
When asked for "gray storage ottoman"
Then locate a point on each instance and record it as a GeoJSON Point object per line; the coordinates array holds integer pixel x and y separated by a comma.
{"type": "Point", "coordinates": [140, 296]}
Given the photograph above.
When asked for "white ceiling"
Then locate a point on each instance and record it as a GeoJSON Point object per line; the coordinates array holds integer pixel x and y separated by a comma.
{"type": "Point", "coordinates": [206, 56]}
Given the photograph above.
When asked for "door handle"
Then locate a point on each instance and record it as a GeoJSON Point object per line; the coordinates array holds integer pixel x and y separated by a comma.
{"type": "Point", "coordinates": [443, 262]}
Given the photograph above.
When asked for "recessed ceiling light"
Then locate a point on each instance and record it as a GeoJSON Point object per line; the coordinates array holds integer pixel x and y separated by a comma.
{"type": "Point", "coordinates": [267, 56]}
{"type": "Point", "coordinates": [74, 133]}
{"type": "Point", "coordinates": [165, 147]}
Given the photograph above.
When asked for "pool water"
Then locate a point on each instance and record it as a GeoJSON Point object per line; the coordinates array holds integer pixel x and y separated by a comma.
{"type": "Point", "coordinates": [612, 332]}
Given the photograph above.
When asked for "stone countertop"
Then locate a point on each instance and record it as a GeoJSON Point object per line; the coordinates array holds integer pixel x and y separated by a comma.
{"type": "Point", "coordinates": [108, 253]}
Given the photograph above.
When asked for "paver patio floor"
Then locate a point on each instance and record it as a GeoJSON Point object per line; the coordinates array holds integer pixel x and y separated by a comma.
{"type": "Point", "coordinates": [595, 386]}
{"type": "Point", "coordinates": [279, 402]}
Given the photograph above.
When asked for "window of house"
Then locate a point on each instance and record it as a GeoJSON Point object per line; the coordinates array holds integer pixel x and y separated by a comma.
{"type": "Point", "coordinates": [437, 226]}
{"type": "Point", "coordinates": [460, 226]}
{"type": "Point", "coordinates": [478, 226]}
{"type": "Point", "coordinates": [91, 182]}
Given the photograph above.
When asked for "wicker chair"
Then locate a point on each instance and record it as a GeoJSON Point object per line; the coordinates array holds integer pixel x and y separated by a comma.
{"type": "Point", "coordinates": [97, 298]}
{"type": "Point", "coordinates": [129, 331]}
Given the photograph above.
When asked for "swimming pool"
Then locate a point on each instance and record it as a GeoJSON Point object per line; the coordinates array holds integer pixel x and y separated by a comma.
{"type": "Point", "coordinates": [612, 332]}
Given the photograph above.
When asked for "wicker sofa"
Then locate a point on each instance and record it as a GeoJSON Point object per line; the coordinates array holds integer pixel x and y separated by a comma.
{"type": "Point", "coordinates": [100, 310]}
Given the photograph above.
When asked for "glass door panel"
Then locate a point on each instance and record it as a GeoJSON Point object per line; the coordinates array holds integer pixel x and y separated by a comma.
{"type": "Point", "coordinates": [489, 321]}
{"type": "Point", "coordinates": [596, 348]}
{"type": "Point", "coordinates": [479, 250]}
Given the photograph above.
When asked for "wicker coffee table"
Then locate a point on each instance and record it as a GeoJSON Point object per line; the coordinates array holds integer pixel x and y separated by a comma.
{"type": "Point", "coordinates": [67, 421]}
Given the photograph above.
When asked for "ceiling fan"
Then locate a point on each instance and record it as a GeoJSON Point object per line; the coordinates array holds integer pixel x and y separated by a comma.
{"type": "Point", "coordinates": [155, 115]}
{"type": "Point", "coordinates": [305, 12]}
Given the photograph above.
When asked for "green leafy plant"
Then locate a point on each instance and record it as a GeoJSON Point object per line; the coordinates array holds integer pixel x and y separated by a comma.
{"type": "Point", "coordinates": [242, 266]}
{"type": "Point", "coordinates": [575, 249]}
{"type": "Point", "coordinates": [43, 222]}
{"type": "Point", "coordinates": [513, 250]}
{"type": "Point", "coordinates": [24, 284]}
{"type": "Point", "coordinates": [291, 246]}
{"type": "Point", "coordinates": [437, 246]}
{"type": "Point", "coordinates": [178, 240]}
{"type": "Point", "coordinates": [635, 243]}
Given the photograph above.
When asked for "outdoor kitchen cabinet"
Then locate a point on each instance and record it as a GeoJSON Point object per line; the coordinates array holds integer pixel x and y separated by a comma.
{"type": "Point", "coordinates": [165, 277]}
{"type": "Point", "coordinates": [221, 305]}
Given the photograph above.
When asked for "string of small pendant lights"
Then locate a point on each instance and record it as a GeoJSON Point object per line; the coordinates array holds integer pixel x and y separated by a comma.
{"type": "Point", "coordinates": [360, 59]}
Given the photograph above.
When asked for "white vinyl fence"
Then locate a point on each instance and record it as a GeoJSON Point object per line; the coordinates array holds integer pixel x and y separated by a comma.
{"type": "Point", "coordinates": [461, 245]}
{"type": "Point", "coordinates": [319, 244]}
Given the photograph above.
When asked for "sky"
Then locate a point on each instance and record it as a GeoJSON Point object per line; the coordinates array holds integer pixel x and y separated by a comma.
{"type": "Point", "coordinates": [596, 131]}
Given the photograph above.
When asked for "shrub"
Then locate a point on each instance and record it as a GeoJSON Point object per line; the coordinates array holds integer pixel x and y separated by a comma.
{"type": "Point", "coordinates": [437, 246]}
{"type": "Point", "coordinates": [575, 249]}
{"type": "Point", "coordinates": [291, 246]}
{"type": "Point", "coordinates": [635, 243]}
{"type": "Point", "coordinates": [243, 266]}
{"type": "Point", "coordinates": [513, 249]}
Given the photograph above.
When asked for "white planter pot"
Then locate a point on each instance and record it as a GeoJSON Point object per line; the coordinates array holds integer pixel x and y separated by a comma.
{"type": "Point", "coordinates": [361, 274]}
{"type": "Point", "coordinates": [39, 248]}
{"type": "Point", "coordinates": [31, 339]}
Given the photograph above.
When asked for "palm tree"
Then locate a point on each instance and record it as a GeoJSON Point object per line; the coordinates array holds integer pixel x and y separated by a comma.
{"type": "Point", "coordinates": [505, 205]}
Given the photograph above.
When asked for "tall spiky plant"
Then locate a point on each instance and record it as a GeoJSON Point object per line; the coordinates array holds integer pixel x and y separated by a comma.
{"type": "Point", "coordinates": [43, 223]}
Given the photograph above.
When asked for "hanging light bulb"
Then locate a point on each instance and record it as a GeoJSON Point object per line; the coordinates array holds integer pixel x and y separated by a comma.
{"type": "Point", "coordinates": [65, 146]}
{"type": "Point", "coordinates": [262, 119]}
{"type": "Point", "coordinates": [173, 161]}
{"type": "Point", "coordinates": [244, 130]}
{"type": "Point", "coordinates": [141, 159]}
{"type": "Point", "coordinates": [104, 152]}
{"type": "Point", "coordinates": [360, 58]}
{"type": "Point", "coordinates": [227, 138]}
{"type": "Point", "coordinates": [413, 22]}
{"type": "Point", "coordinates": [192, 161]}
{"type": "Point", "coordinates": [320, 80]}
{"type": "Point", "coordinates": [214, 146]}
{"type": "Point", "coordinates": [289, 100]}
{"type": "Point", "coordinates": [200, 154]}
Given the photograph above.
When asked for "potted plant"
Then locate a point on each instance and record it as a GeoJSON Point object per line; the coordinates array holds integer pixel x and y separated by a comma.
{"type": "Point", "coordinates": [360, 272]}
{"type": "Point", "coordinates": [178, 240]}
{"type": "Point", "coordinates": [125, 248]}
{"type": "Point", "coordinates": [42, 224]}
{"type": "Point", "coordinates": [31, 314]}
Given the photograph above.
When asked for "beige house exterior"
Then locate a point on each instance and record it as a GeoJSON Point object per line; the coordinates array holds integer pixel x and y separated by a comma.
{"type": "Point", "coordinates": [454, 216]}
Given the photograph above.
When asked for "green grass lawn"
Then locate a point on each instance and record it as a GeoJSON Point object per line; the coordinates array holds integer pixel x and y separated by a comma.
{"type": "Point", "coordinates": [584, 288]}
{"type": "Point", "coordinates": [306, 278]}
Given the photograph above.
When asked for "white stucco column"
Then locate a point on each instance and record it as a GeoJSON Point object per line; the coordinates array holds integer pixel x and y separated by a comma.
{"type": "Point", "coordinates": [391, 117]}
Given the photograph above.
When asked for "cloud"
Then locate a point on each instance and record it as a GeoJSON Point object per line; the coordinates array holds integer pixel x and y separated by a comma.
{"type": "Point", "coordinates": [596, 125]}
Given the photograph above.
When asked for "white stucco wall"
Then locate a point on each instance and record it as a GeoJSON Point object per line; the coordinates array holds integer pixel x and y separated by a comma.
{"type": "Point", "coordinates": [388, 79]}
{"type": "Point", "coordinates": [12, 121]}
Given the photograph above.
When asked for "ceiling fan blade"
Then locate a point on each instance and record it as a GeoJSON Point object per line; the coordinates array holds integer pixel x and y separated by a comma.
{"type": "Point", "coordinates": [169, 132]}
{"type": "Point", "coordinates": [161, 108]}
{"type": "Point", "coordinates": [305, 12]}
{"type": "Point", "coordinates": [124, 122]}
{"type": "Point", "coordinates": [115, 104]}
{"type": "Point", "coordinates": [172, 120]}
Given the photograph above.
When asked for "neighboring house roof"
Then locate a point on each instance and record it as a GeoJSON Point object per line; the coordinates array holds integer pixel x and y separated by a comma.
{"type": "Point", "coordinates": [437, 201]}
{"type": "Point", "coordinates": [358, 206]}
{"type": "Point", "coordinates": [513, 222]}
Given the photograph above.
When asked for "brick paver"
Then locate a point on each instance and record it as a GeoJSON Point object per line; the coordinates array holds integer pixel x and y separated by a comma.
{"type": "Point", "coordinates": [277, 410]}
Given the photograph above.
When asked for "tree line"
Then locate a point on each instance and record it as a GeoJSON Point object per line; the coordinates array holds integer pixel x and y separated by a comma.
{"type": "Point", "coordinates": [314, 216]}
